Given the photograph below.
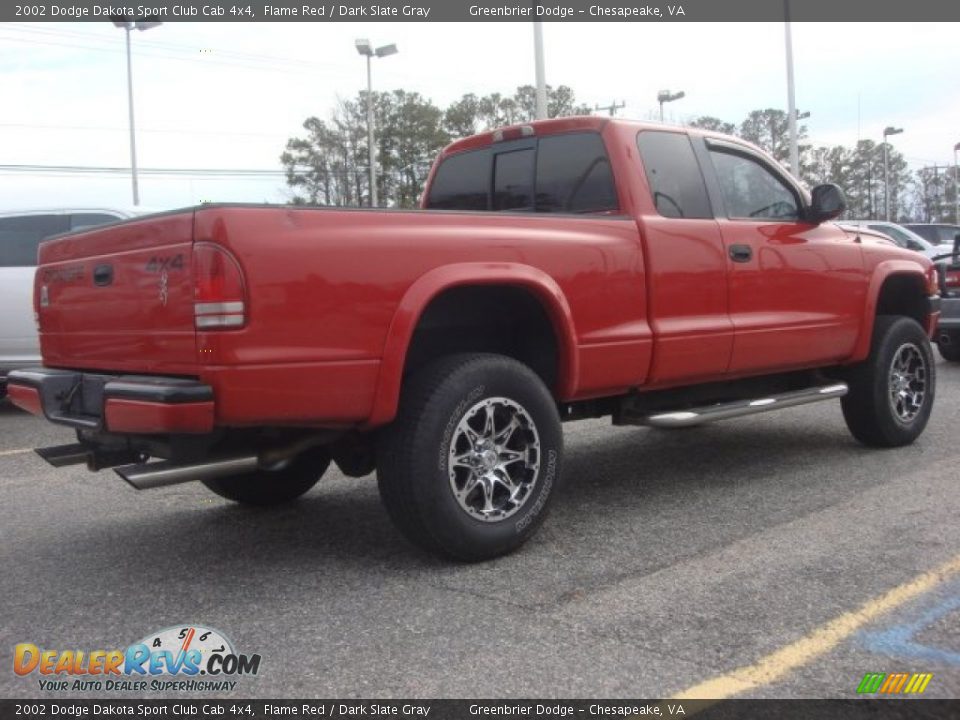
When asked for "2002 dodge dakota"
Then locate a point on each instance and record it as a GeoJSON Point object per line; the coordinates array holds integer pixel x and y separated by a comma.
{"type": "Point", "coordinates": [570, 268]}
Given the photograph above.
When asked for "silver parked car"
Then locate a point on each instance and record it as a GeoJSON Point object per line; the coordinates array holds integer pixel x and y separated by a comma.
{"type": "Point", "coordinates": [20, 235]}
{"type": "Point", "coordinates": [900, 235]}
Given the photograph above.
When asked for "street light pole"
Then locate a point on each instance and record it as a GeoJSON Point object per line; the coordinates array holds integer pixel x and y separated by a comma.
{"type": "Point", "coordinates": [542, 112]}
{"type": "Point", "coordinates": [665, 96]}
{"type": "Point", "coordinates": [956, 185]}
{"type": "Point", "coordinates": [791, 100]}
{"type": "Point", "coordinates": [365, 48]}
{"type": "Point", "coordinates": [133, 136]}
{"type": "Point", "coordinates": [887, 132]}
{"type": "Point", "coordinates": [127, 26]}
{"type": "Point", "coordinates": [372, 162]}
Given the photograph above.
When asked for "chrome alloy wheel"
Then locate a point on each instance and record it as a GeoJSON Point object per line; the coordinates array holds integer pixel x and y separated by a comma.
{"type": "Point", "coordinates": [494, 459]}
{"type": "Point", "coordinates": [907, 382]}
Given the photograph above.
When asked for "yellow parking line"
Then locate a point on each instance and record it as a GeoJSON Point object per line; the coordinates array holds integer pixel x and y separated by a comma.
{"type": "Point", "coordinates": [15, 452]}
{"type": "Point", "coordinates": [777, 664]}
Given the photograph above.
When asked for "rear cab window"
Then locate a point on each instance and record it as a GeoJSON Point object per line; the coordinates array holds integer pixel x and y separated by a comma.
{"type": "Point", "coordinates": [566, 173]}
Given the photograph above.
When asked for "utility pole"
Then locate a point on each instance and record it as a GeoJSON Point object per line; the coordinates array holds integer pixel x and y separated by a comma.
{"type": "Point", "coordinates": [542, 111]}
{"type": "Point", "coordinates": [791, 101]}
{"type": "Point", "coordinates": [612, 107]}
{"type": "Point", "coordinates": [956, 185]}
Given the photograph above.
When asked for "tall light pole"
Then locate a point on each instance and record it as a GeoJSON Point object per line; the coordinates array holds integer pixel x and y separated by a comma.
{"type": "Point", "coordinates": [887, 132]}
{"type": "Point", "coordinates": [365, 48]}
{"type": "Point", "coordinates": [791, 99]}
{"type": "Point", "coordinates": [956, 185]}
{"type": "Point", "coordinates": [665, 96]}
{"type": "Point", "coordinates": [121, 22]}
{"type": "Point", "coordinates": [542, 113]}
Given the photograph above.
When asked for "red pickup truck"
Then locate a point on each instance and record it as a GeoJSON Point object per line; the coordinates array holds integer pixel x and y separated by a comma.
{"type": "Point", "coordinates": [565, 269]}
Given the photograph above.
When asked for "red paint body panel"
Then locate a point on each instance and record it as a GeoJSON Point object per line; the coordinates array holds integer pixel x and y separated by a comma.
{"type": "Point", "coordinates": [125, 325]}
{"type": "Point", "coordinates": [332, 297]}
{"type": "Point", "coordinates": [137, 416]}
{"type": "Point", "coordinates": [25, 398]}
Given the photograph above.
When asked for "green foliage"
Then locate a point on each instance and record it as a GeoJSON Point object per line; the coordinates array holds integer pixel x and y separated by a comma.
{"type": "Point", "coordinates": [329, 164]}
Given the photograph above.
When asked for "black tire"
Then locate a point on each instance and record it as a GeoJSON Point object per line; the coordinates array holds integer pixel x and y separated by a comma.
{"type": "Point", "coordinates": [273, 487]}
{"type": "Point", "coordinates": [876, 415]}
{"type": "Point", "coordinates": [426, 490]}
{"type": "Point", "coordinates": [950, 350]}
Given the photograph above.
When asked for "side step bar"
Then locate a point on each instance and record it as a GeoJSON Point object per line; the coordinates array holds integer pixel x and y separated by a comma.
{"type": "Point", "coordinates": [722, 411]}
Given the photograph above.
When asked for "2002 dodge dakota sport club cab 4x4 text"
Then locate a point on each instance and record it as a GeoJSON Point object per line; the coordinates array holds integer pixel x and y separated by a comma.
{"type": "Point", "coordinates": [570, 268]}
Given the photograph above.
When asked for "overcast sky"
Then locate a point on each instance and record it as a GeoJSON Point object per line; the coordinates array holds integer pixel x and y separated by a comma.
{"type": "Point", "coordinates": [229, 95]}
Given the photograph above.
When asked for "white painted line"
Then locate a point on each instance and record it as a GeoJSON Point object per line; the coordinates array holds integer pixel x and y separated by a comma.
{"type": "Point", "coordinates": [15, 452]}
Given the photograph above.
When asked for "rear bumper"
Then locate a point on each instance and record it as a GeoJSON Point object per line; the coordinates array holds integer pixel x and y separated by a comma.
{"type": "Point", "coordinates": [114, 403]}
{"type": "Point", "coordinates": [7, 366]}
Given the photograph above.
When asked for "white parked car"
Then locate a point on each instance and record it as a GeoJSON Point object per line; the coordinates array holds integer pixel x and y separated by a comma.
{"type": "Point", "coordinates": [900, 235]}
{"type": "Point", "coordinates": [20, 235]}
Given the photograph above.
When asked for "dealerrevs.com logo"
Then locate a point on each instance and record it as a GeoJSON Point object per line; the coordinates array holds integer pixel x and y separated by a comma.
{"type": "Point", "coordinates": [184, 658]}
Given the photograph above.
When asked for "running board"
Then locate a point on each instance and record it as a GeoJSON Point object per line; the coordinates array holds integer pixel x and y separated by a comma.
{"type": "Point", "coordinates": [722, 411]}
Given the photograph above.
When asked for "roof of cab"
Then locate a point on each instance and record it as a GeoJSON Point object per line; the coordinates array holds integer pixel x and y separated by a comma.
{"type": "Point", "coordinates": [570, 124]}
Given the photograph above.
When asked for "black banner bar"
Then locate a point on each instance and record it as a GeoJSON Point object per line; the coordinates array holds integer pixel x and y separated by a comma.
{"type": "Point", "coordinates": [484, 11]}
{"type": "Point", "coordinates": [190, 708]}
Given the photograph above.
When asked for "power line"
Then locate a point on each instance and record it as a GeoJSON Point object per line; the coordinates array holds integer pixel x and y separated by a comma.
{"type": "Point", "coordinates": [171, 131]}
{"type": "Point", "coordinates": [102, 170]}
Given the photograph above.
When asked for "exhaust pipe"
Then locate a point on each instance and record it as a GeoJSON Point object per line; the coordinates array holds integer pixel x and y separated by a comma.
{"type": "Point", "coordinates": [944, 339]}
{"type": "Point", "coordinates": [144, 476]}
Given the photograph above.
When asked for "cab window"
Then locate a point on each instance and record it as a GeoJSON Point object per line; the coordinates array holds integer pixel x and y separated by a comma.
{"type": "Point", "coordinates": [673, 174]}
{"type": "Point", "coordinates": [751, 191]}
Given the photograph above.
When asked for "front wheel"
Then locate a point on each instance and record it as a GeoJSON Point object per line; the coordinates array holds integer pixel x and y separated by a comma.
{"type": "Point", "coordinates": [469, 466]}
{"type": "Point", "coordinates": [273, 487]}
{"type": "Point", "coordinates": [892, 391]}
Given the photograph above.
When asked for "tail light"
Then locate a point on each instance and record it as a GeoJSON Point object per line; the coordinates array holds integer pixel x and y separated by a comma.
{"type": "Point", "coordinates": [951, 279]}
{"type": "Point", "coordinates": [218, 292]}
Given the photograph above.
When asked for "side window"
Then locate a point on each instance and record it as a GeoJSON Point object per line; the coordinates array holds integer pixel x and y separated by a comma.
{"type": "Point", "coordinates": [673, 175]}
{"type": "Point", "coordinates": [462, 182]}
{"type": "Point", "coordinates": [946, 234]}
{"type": "Point", "coordinates": [20, 237]}
{"type": "Point", "coordinates": [513, 180]}
{"type": "Point", "coordinates": [574, 175]}
{"type": "Point", "coordinates": [751, 191]}
{"type": "Point", "coordinates": [82, 220]}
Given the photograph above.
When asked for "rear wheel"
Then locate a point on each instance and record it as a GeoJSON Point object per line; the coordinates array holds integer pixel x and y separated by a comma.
{"type": "Point", "coordinates": [273, 487]}
{"type": "Point", "coordinates": [891, 393]}
{"type": "Point", "coordinates": [948, 343]}
{"type": "Point", "coordinates": [469, 466]}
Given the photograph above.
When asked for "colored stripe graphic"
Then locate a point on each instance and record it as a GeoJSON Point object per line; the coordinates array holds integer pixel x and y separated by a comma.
{"type": "Point", "coordinates": [918, 683]}
{"type": "Point", "coordinates": [894, 683]}
{"type": "Point", "coordinates": [871, 683]}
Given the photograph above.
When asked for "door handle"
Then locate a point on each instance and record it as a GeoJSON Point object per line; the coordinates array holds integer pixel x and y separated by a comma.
{"type": "Point", "coordinates": [741, 253]}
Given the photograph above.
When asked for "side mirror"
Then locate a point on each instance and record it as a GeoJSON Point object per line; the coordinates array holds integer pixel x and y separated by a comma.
{"type": "Point", "coordinates": [826, 203]}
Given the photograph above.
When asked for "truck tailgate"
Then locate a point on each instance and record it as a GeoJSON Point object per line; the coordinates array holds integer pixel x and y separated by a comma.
{"type": "Point", "coordinates": [119, 297]}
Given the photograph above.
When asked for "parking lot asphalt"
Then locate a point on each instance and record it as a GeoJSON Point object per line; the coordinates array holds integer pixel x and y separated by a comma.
{"type": "Point", "coordinates": [769, 556]}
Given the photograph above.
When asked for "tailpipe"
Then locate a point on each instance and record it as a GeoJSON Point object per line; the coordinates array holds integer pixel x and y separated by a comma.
{"type": "Point", "coordinates": [145, 476]}
{"type": "Point", "coordinates": [944, 339]}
